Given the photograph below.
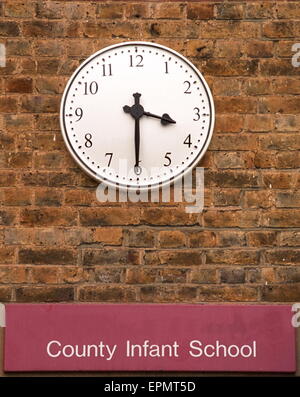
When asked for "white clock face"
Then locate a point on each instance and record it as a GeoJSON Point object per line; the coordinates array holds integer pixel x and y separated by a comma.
{"type": "Point", "coordinates": [136, 115]}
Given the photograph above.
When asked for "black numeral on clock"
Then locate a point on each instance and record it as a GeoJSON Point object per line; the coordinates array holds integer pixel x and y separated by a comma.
{"type": "Point", "coordinates": [166, 67]}
{"type": "Point", "coordinates": [110, 158]}
{"type": "Point", "coordinates": [167, 157]}
{"type": "Point", "coordinates": [188, 85]}
{"type": "Point", "coordinates": [197, 114]}
{"type": "Point", "coordinates": [188, 141]}
{"type": "Point", "coordinates": [88, 141]}
{"type": "Point", "coordinates": [136, 61]}
{"type": "Point", "coordinates": [91, 88]}
{"type": "Point", "coordinates": [106, 70]}
{"type": "Point", "coordinates": [79, 113]}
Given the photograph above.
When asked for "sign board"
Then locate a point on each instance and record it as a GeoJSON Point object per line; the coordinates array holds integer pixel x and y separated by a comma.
{"type": "Point", "coordinates": [149, 337]}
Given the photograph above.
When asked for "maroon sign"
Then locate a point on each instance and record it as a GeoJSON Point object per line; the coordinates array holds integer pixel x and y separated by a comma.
{"type": "Point", "coordinates": [149, 337]}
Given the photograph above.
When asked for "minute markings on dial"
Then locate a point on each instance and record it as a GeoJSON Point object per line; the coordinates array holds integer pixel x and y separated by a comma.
{"type": "Point", "coordinates": [165, 119]}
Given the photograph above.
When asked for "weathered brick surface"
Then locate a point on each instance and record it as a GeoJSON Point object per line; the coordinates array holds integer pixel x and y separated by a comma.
{"type": "Point", "coordinates": [57, 243]}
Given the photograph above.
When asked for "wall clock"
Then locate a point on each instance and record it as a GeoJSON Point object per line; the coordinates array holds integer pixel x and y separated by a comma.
{"type": "Point", "coordinates": [137, 115]}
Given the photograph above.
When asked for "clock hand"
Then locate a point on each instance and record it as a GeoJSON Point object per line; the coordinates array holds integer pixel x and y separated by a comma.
{"type": "Point", "coordinates": [136, 111]}
{"type": "Point", "coordinates": [137, 168]}
{"type": "Point", "coordinates": [164, 119]}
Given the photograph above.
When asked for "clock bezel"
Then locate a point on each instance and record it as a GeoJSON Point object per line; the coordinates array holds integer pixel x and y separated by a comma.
{"type": "Point", "coordinates": [126, 186]}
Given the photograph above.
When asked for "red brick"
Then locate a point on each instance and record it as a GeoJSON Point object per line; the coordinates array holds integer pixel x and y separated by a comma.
{"type": "Point", "coordinates": [282, 256]}
{"type": "Point", "coordinates": [109, 256]}
{"type": "Point", "coordinates": [259, 10]}
{"type": "Point", "coordinates": [289, 239]}
{"type": "Point", "coordinates": [8, 217]}
{"type": "Point", "coordinates": [261, 238]}
{"type": "Point", "coordinates": [215, 218]}
{"type": "Point", "coordinates": [44, 294]}
{"type": "Point", "coordinates": [227, 87]}
{"type": "Point", "coordinates": [48, 256]}
{"type": "Point", "coordinates": [98, 293]}
{"type": "Point", "coordinates": [233, 293]}
{"type": "Point", "coordinates": [232, 178]}
{"type": "Point", "coordinates": [171, 239]}
{"type": "Point", "coordinates": [105, 275]}
{"type": "Point", "coordinates": [18, 236]}
{"type": "Point", "coordinates": [7, 255]}
{"type": "Point", "coordinates": [280, 142]}
{"type": "Point", "coordinates": [288, 274]}
{"type": "Point", "coordinates": [5, 294]}
{"type": "Point", "coordinates": [40, 104]}
{"type": "Point", "coordinates": [21, 85]}
{"type": "Point", "coordinates": [174, 11]}
{"type": "Point", "coordinates": [225, 67]}
{"type": "Point", "coordinates": [8, 104]}
{"type": "Point", "coordinates": [49, 48]}
{"type": "Point", "coordinates": [173, 276]}
{"type": "Point", "coordinates": [137, 10]}
{"type": "Point", "coordinates": [257, 86]}
{"type": "Point", "coordinates": [258, 199]}
{"type": "Point", "coordinates": [109, 11]}
{"type": "Point", "coordinates": [232, 276]}
{"type": "Point", "coordinates": [227, 123]}
{"type": "Point", "coordinates": [13, 275]}
{"type": "Point", "coordinates": [278, 29]}
{"type": "Point", "coordinates": [234, 160]}
{"type": "Point", "coordinates": [277, 67]}
{"type": "Point", "coordinates": [230, 238]}
{"type": "Point", "coordinates": [168, 294]}
{"type": "Point", "coordinates": [173, 257]}
{"type": "Point", "coordinates": [203, 276]}
{"type": "Point", "coordinates": [108, 235]}
{"type": "Point", "coordinates": [49, 10]}
{"type": "Point", "coordinates": [19, 10]}
{"type": "Point", "coordinates": [277, 180]}
{"type": "Point", "coordinates": [140, 276]}
{"type": "Point", "coordinates": [140, 238]}
{"type": "Point", "coordinates": [282, 218]}
{"type": "Point", "coordinates": [48, 217]}
{"type": "Point", "coordinates": [44, 275]}
{"type": "Point", "coordinates": [259, 49]}
{"type": "Point", "coordinates": [286, 85]}
{"type": "Point", "coordinates": [9, 29]}
{"type": "Point", "coordinates": [199, 11]}
{"type": "Point", "coordinates": [259, 122]}
{"type": "Point", "coordinates": [235, 105]}
{"type": "Point", "coordinates": [229, 11]}
{"type": "Point", "coordinates": [42, 28]}
{"type": "Point", "coordinates": [281, 293]}
{"type": "Point", "coordinates": [232, 257]}
{"type": "Point", "coordinates": [18, 47]}
{"type": "Point", "coordinates": [108, 216]}
{"type": "Point", "coordinates": [48, 197]}
{"type": "Point", "coordinates": [17, 196]}
{"type": "Point", "coordinates": [228, 29]}
{"type": "Point", "coordinates": [227, 197]}
{"type": "Point", "coordinates": [167, 216]}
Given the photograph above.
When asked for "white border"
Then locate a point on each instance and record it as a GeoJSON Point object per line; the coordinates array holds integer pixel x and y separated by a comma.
{"type": "Point", "coordinates": [2, 315]}
{"type": "Point", "coordinates": [118, 185]}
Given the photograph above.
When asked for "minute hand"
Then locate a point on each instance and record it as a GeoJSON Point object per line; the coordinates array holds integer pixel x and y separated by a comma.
{"type": "Point", "coordinates": [165, 118]}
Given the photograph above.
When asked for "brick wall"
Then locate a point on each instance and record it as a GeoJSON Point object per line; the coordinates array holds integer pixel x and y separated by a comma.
{"type": "Point", "coordinates": [59, 244]}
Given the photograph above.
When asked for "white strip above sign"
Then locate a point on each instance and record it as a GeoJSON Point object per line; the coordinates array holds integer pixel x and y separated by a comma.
{"type": "Point", "coordinates": [2, 315]}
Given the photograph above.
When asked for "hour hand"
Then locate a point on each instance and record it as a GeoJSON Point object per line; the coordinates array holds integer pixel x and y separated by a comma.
{"type": "Point", "coordinates": [127, 109]}
{"type": "Point", "coordinates": [164, 119]}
